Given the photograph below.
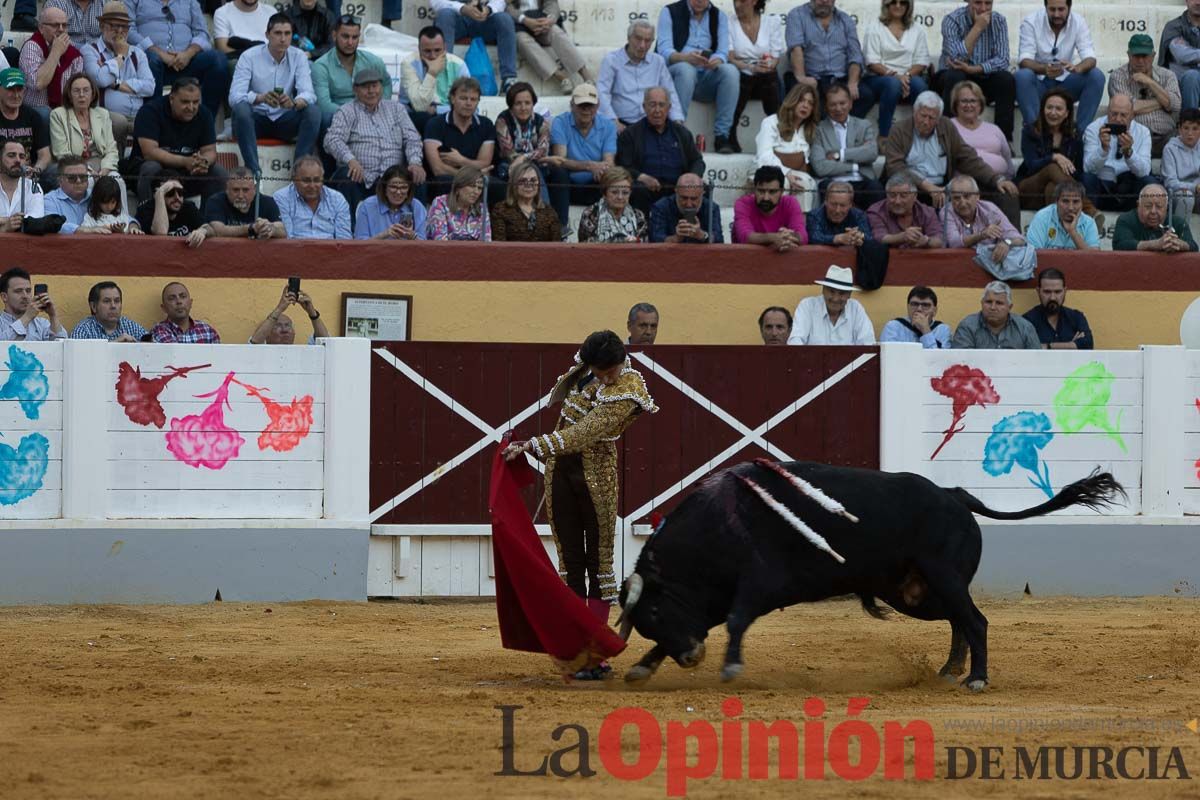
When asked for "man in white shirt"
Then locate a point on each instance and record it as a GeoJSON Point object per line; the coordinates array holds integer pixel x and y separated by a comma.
{"type": "Point", "coordinates": [1116, 157]}
{"type": "Point", "coordinates": [272, 95]}
{"type": "Point", "coordinates": [239, 25]}
{"type": "Point", "coordinates": [19, 196]}
{"type": "Point", "coordinates": [1056, 53]}
{"type": "Point", "coordinates": [20, 320]}
{"type": "Point", "coordinates": [832, 317]}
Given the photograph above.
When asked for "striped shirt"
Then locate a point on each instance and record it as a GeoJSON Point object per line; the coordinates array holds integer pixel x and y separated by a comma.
{"type": "Point", "coordinates": [83, 24]}
{"type": "Point", "coordinates": [991, 48]}
{"type": "Point", "coordinates": [827, 51]}
{"type": "Point", "coordinates": [375, 139]}
{"type": "Point", "coordinates": [89, 328]}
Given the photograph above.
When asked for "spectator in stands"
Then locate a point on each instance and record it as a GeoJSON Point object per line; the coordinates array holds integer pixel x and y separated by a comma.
{"type": "Point", "coordinates": [521, 133]}
{"type": "Point", "coordinates": [985, 138]}
{"type": "Point", "coordinates": [106, 210]}
{"type": "Point", "coordinates": [370, 135]}
{"type": "Point", "coordinates": [312, 24]}
{"type": "Point", "coordinates": [174, 36]}
{"type": "Point", "coordinates": [425, 80]}
{"type": "Point", "coordinates": [783, 141]}
{"type": "Point", "coordinates": [845, 148]}
{"type": "Point", "coordinates": [836, 221]}
{"type": "Point", "coordinates": [308, 208]}
{"type": "Point", "coordinates": [1116, 157]}
{"type": "Point", "coordinates": [278, 327]}
{"type": "Point", "coordinates": [901, 220]}
{"type": "Point", "coordinates": [272, 95]}
{"type": "Point", "coordinates": [832, 317]}
{"type": "Point", "coordinates": [19, 196]}
{"type": "Point", "coordinates": [169, 214]}
{"type": "Point", "coordinates": [756, 44]}
{"type": "Point", "coordinates": [920, 326]}
{"type": "Point", "coordinates": [995, 327]}
{"type": "Point", "coordinates": [546, 47]}
{"type": "Point", "coordinates": [1148, 227]}
{"type": "Point", "coordinates": [930, 148]}
{"type": "Point", "coordinates": [121, 71]}
{"type": "Point", "coordinates": [483, 18]}
{"type": "Point", "coordinates": [106, 321]}
{"type": "Point", "coordinates": [969, 221]}
{"type": "Point", "coordinates": [583, 144]}
{"type": "Point", "coordinates": [71, 197]}
{"type": "Point", "coordinates": [239, 25]}
{"type": "Point", "coordinates": [1179, 49]}
{"type": "Point", "coordinates": [612, 218]}
{"type": "Point", "coordinates": [642, 324]}
{"type": "Point", "coordinates": [693, 37]}
{"type": "Point", "coordinates": [775, 325]}
{"type": "Point", "coordinates": [1052, 152]}
{"type": "Point", "coordinates": [1181, 164]}
{"type": "Point", "coordinates": [768, 216]}
{"type": "Point", "coordinates": [333, 73]}
{"type": "Point", "coordinates": [626, 74]}
{"type": "Point", "coordinates": [896, 53]}
{"type": "Point", "coordinates": [240, 213]}
{"type": "Point", "coordinates": [975, 47]}
{"type": "Point", "coordinates": [176, 132]}
{"type": "Point", "coordinates": [460, 138]}
{"type": "Point", "coordinates": [392, 212]}
{"type": "Point", "coordinates": [823, 48]}
{"type": "Point", "coordinates": [18, 123]}
{"type": "Point", "coordinates": [1051, 39]}
{"type": "Point", "coordinates": [83, 19]}
{"type": "Point", "coordinates": [687, 218]}
{"type": "Point", "coordinates": [523, 216]}
{"type": "Point", "coordinates": [48, 60]}
{"type": "Point", "coordinates": [21, 320]}
{"type": "Point", "coordinates": [79, 127]}
{"type": "Point", "coordinates": [462, 213]}
{"type": "Point", "coordinates": [179, 327]}
{"type": "Point", "coordinates": [1058, 327]}
{"type": "Point", "coordinates": [1154, 89]}
{"type": "Point", "coordinates": [1063, 225]}
{"type": "Point", "coordinates": [656, 151]}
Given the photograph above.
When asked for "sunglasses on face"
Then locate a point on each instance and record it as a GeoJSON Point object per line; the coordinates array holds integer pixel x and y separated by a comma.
{"type": "Point", "coordinates": [174, 193]}
{"type": "Point", "coordinates": [901, 3]}
{"type": "Point", "coordinates": [75, 178]}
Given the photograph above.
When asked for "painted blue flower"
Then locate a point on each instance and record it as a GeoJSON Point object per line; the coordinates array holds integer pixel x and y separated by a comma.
{"type": "Point", "coordinates": [27, 382]}
{"type": "Point", "coordinates": [22, 470]}
{"type": "Point", "coordinates": [1017, 439]}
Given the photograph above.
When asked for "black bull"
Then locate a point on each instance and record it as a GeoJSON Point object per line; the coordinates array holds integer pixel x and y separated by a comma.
{"type": "Point", "coordinates": [724, 556]}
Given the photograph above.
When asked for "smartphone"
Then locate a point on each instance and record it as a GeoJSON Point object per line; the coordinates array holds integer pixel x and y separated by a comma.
{"type": "Point", "coordinates": [294, 285]}
{"type": "Point", "coordinates": [689, 215]}
{"type": "Point", "coordinates": [278, 90]}
{"type": "Point", "coordinates": [445, 148]}
{"type": "Point", "coordinates": [706, 53]}
{"type": "Point", "coordinates": [406, 219]}
{"type": "Point", "coordinates": [40, 288]}
{"type": "Point", "coordinates": [1116, 130]}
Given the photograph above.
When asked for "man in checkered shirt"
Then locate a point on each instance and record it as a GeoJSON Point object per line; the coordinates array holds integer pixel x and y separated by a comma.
{"type": "Point", "coordinates": [179, 327]}
{"type": "Point", "coordinates": [106, 321]}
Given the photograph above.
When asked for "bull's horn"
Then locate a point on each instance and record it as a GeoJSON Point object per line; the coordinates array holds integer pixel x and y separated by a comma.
{"type": "Point", "coordinates": [633, 591]}
{"type": "Point", "coordinates": [626, 627]}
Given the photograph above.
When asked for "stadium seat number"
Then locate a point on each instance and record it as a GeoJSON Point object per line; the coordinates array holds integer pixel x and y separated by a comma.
{"type": "Point", "coordinates": [715, 175]}
{"type": "Point", "coordinates": [424, 12]}
{"type": "Point", "coordinates": [281, 165]}
{"type": "Point", "coordinates": [355, 9]}
{"type": "Point", "coordinates": [924, 19]}
{"type": "Point", "coordinates": [744, 122]}
{"type": "Point", "coordinates": [1133, 25]}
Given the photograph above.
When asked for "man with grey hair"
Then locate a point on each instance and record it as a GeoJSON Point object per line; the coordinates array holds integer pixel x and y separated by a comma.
{"type": "Point", "coordinates": [995, 327]}
{"type": "Point", "coordinates": [240, 212]}
{"type": "Point", "coordinates": [627, 72]}
{"type": "Point", "coordinates": [1116, 156]}
{"type": "Point", "coordinates": [1148, 227]}
{"type": "Point", "coordinates": [49, 59]}
{"type": "Point", "coordinates": [642, 324]}
{"type": "Point", "coordinates": [688, 217]}
{"type": "Point", "coordinates": [929, 146]}
{"type": "Point", "coordinates": [969, 221]}
{"type": "Point", "coordinates": [901, 220]}
{"type": "Point", "coordinates": [310, 209]}
{"type": "Point", "coordinates": [837, 221]}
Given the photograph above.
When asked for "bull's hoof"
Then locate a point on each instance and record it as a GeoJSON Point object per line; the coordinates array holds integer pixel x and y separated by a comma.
{"type": "Point", "coordinates": [948, 677]}
{"type": "Point", "coordinates": [638, 674]}
{"type": "Point", "coordinates": [731, 671]}
{"type": "Point", "coordinates": [977, 685]}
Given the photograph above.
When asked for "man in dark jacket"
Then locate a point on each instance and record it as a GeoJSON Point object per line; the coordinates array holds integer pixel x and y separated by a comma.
{"type": "Point", "coordinates": [656, 151]}
{"type": "Point", "coordinates": [312, 23]}
{"type": "Point", "coordinates": [1179, 49]}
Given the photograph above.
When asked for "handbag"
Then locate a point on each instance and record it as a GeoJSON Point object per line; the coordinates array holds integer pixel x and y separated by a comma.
{"type": "Point", "coordinates": [480, 66]}
{"type": "Point", "coordinates": [1019, 263]}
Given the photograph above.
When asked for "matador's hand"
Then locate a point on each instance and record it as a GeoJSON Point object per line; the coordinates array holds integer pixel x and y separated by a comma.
{"type": "Point", "coordinates": [515, 450]}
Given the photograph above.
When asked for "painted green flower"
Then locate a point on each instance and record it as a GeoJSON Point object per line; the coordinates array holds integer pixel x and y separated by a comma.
{"type": "Point", "coordinates": [1083, 400]}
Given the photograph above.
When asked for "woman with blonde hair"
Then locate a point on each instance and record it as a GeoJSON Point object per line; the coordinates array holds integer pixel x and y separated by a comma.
{"type": "Point", "coordinates": [461, 214]}
{"type": "Point", "coordinates": [966, 105]}
{"type": "Point", "coordinates": [897, 56]}
{"type": "Point", "coordinates": [522, 216]}
{"type": "Point", "coordinates": [612, 218]}
{"type": "Point", "coordinates": [783, 141]}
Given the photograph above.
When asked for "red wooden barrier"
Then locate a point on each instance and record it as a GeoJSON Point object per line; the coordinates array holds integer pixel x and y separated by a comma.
{"type": "Point", "coordinates": [431, 444]}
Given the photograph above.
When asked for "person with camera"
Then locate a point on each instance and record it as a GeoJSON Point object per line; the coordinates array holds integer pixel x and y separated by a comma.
{"type": "Point", "coordinates": [277, 327]}
{"type": "Point", "coordinates": [20, 196]}
{"type": "Point", "coordinates": [687, 218]}
{"type": "Point", "coordinates": [23, 305]}
{"type": "Point", "coordinates": [1116, 157]}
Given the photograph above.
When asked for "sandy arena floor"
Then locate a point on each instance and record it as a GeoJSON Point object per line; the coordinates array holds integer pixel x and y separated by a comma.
{"type": "Point", "coordinates": [397, 700]}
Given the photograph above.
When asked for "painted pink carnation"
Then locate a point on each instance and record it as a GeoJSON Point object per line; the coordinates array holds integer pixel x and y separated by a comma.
{"type": "Point", "coordinates": [205, 440]}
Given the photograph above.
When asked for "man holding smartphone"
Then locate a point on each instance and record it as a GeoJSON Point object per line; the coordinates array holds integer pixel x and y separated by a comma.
{"type": "Point", "coordinates": [1056, 52]}
{"type": "Point", "coordinates": [688, 217]}
{"type": "Point", "coordinates": [278, 327]}
{"type": "Point", "coordinates": [23, 303]}
{"type": "Point", "coordinates": [1116, 157]}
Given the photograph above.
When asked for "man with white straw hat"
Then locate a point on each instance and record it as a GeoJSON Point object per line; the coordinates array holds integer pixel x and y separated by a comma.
{"type": "Point", "coordinates": [832, 317]}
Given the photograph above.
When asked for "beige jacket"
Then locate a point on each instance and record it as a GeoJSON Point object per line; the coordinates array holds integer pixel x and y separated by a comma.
{"type": "Point", "coordinates": [66, 137]}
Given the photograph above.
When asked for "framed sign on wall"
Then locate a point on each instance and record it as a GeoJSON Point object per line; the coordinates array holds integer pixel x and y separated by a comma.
{"type": "Point", "coordinates": [377, 316]}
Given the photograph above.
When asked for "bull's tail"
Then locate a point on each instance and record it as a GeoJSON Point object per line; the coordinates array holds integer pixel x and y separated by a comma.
{"type": "Point", "coordinates": [871, 607]}
{"type": "Point", "coordinates": [1097, 491]}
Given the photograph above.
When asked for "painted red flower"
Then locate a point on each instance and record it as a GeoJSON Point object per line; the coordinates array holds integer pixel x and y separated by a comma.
{"type": "Point", "coordinates": [204, 440]}
{"type": "Point", "coordinates": [139, 396]}
{"type": "Point", "coordinates": [288, 424]}
{"type": "Point", "coordinates": [967, 387]}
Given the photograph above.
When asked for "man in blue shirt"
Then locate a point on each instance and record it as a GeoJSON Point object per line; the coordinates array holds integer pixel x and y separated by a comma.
{"type": "Point", "coordinates": [694, 39]}
{"type": "Point", "coordinates": [272, 95]}
{"type": "Point", "coordinates": [687, 218]}
{"type": "Point", "coordinates": [919, 326]}
{"type": "Point", "coordinates": [1064, 226]}
{"type": "Point", "coordinates": [837, 221]}
{"type": "Point", "coordinates": [71, 197]}
{"type": "Point", "coordinates": [308, 208]}
{"type": "Point", "coordinates": [975, 48]}
{"type": "Point", "coordinates": [174, 36]}
{"type": "Point", "coordinates": [626, 74]}
{"type": "Point", "coordinates": [1058, 327]}
{"type": "Point", "coordinates": [824, 49]}
{"type": "Point", "coordinates": [582, 146]}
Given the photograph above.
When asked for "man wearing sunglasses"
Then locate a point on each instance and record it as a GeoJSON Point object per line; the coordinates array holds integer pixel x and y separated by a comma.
{"type": "Point", "coordinates": [168, 214]}
{"type": "Point", "coordinates": [71, 197]}
{"type": "Point", "coordinates": [175, 37]}
{"type": "Point", "coordinates": [1057, 53]}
